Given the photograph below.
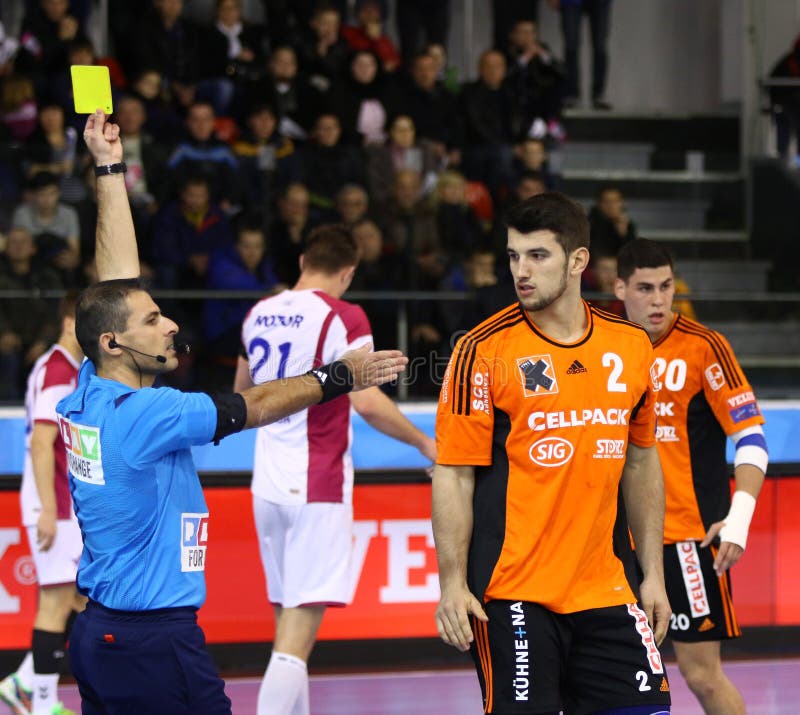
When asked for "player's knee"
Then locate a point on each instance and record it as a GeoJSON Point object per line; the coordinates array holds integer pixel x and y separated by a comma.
{"type": "Point", "coordinates": [703, 679]}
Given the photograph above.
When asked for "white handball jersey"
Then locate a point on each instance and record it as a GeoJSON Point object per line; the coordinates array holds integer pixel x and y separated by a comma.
{"type": "Point", "coordinates": [304, 457]}
{"type": "Point", "coordinates": [53, 377]}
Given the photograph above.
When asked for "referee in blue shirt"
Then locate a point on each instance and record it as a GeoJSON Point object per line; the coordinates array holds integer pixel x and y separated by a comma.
{"type": "Point", "coordinates": [137, 648]}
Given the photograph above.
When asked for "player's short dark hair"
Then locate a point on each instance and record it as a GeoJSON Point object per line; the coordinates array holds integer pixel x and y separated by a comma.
{"type": "Point", "coordinates": [329, 248]}
{"type": "Point", "coordinates": [641, 253]}
{"type": "Point", "coordinates": [103, 308]}
{"type": "Point", "coordinates": [68, 304]}
{"type": "Point", "coordinates": [552, 211]}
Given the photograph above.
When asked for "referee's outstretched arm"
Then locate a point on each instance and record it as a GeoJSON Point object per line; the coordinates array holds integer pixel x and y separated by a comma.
{"type": "Point", "coordinates": [116, 253]}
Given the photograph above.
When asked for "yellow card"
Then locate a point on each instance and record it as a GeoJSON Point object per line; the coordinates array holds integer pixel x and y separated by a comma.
{"type": "Point", "coordinates": [91, 89]}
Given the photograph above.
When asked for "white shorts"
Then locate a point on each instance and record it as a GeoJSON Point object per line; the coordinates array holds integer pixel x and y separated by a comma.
{"type": "Point", "coordinates": [306, 552]}
{"type": "Point", "coordinates": [59, 564]}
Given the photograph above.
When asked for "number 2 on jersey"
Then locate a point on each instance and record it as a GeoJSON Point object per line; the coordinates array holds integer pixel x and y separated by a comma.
{"type": "Point", "coordinates": [614, 361]}
{"type": "Point", "coordinates": [262, 346]}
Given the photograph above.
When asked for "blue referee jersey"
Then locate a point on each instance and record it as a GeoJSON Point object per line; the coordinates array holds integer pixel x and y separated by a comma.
{"type": "Point", "coordinates": [137, 497]}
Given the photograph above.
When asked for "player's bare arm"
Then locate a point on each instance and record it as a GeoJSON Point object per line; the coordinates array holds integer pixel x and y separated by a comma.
{"type": "Point", "coordinates": [643, 492]}
{"type": "Point", "coordinates": [381, 413]}
{"type": "Point", "coordinates": [451, 515]}
{"type": "Point", "coordinates": [116, 252]}
{"type": "Point", "coordinates": [43, 461]}
{"type": "Point", "coordinates": [279, 398]}
{"type": "Point", "coordinates": [749, 479]}
{"type": "Point", "coordinates": [242, 380]}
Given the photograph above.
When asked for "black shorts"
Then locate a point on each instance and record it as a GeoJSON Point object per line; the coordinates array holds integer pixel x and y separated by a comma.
{"type": "Point", "coordinates": [702, 607]}
{"type": "Point", "coordinates": [532, 661]}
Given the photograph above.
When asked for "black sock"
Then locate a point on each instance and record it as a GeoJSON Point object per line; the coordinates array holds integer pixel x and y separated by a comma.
{"type": "Point", "coordinates": [48, 651]}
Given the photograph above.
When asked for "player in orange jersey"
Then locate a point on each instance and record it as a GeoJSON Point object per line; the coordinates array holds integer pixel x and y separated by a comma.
{"type": "Point", "coordinates": [704, 398]}
{"type": "Point", "coordinates": [546, 409]}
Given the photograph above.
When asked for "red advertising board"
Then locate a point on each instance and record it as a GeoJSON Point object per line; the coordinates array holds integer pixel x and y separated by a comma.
{"type": "Point", "coordinates": [394, 556]}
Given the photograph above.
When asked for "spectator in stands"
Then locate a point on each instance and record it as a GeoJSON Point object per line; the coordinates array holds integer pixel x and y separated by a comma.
{"type": "Point", "coordinates": [243, 266]}
{"type": "Point", "coordinates": [18, 111]}
{"type": "Point", "coordinates": [8, 51]}
{"type": "Point", "coordinates": [446, 75]}
{"type": "Point", "coordinates": [488, 131]}
{"type": "Point", "coordinates": [460, 232]}
{"type": "Point", "coordinates": [27, 325]}
{"type": "Point", "coordinates": [46, 30]}
{"type": "Point", "coordinates": [609, 223]}
{"type": "Point", "coordinates": [325, 164]}
{"type": "Point", "coordinates": [506, 14]}
{"type": "Point", "coordinates": [402, 151]}
{"type": "Point", "coordinates": [599, 14]}
{"type": "Point", "coordinates": [296, 102]}
{"type": "Point", "coordinates": [260, 151]}
{"type": "Point", "coordinates": [376, 272]}
{"type": "Point", "coordinates": [237, 49]}
{"type": "Point", "coordinates": [352, 204]}
{"type": "Point", "coordinates": [45, 214]}
{"type": "Point", "coordinates": [411, 234]}
{"type": "Point", "coordinates": [203, 154]}
{"type": "Point", "coordinates": [369, 35]}
{"type": "Point", "coordinates": [601, 277]}
{"type": "Point", "coordinates": [785, 102]}
{"type": "Point", "coordinates": [361, 100]}
{"type": "Point", "coordinates": [433, 109]}
{"type": "Point", "coordinates": [163, 121]}
{"type": "Point", "coordinates": [419, 23]}
{"type": "Point", "coordinates": [288, 232]}
{"type": "Point", "coordinates": [54, 148]}
{"type": "Point", "coordinates": [536, 79]}
{"type": "Point", "coordinates": [186, 232]}
{"type": "Point", "coordinates": [145, 158]}
{"type": "Point", "coordinates": [531, 156]}
{"type": "Point", "coordinates": [322, 52]}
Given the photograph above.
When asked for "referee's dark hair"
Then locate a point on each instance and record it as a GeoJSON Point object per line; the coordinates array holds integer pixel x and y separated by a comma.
{"type": "Point", "coordinates": [329, 248]}
{"type": "Point", "coordinates": [641, 253]}
{"type": "Point", "coordinates": [552, 211]}
{"type": "Point", "coordinates": [102, 308]}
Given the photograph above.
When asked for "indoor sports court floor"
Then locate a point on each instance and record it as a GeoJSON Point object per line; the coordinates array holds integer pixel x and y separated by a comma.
{"type": "Point", "coordinates": [770, 687]}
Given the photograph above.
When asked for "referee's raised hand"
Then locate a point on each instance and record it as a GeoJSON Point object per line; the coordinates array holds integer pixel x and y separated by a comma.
{"type": "Point", "coordinates": [369, 368]}
{"type": "Point", "coordinates": [102, 139]}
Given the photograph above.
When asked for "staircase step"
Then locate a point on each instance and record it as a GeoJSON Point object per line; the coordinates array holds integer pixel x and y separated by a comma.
{"type": "Point", "coordinates": [605, 156]}
{"type": "Point", "coordinates": [638, 176]}
{"type": "Point", "coordinates": [666, 214]}
{"type": "Point", "coordinates": [675, 236]}
{"type": "Point", "coordinates": [724, 276]}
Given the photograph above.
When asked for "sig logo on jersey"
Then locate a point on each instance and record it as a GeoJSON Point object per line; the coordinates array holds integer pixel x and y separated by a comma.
{"type": "Point", "coordinates": [194, 539]}
{"type": "Point", "coordinates": [610, 449]}
{"type": "Point", "coordinates": [715, 377]}
{"type": "Point", "coordinates": [551, 452]}
{"type": "Point", "coordinates": [537, 375]}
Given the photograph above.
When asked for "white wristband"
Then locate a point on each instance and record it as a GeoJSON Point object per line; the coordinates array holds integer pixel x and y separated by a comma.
{"type": "Point", "coordinates": [737, 523]}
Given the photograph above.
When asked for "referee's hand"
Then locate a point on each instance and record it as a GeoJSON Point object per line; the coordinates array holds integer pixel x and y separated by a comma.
{"type": "Point", "coordinates": [369, 369]}
{"type": "Point", "coordinates": [452, 616]}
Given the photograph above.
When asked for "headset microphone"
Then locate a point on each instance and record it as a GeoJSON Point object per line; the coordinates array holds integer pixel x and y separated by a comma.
{"type": "Point", "coordinates": [114, 344]}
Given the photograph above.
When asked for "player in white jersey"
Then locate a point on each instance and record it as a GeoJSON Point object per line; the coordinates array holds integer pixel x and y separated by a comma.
{"type": "Point", "coordinates": [53, 532]}
{"type": "Point", "coordinates": [303, 470]}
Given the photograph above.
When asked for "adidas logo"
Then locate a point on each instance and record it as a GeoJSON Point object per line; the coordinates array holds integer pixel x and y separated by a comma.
{"type": "Point", "coordinates": [664, 686]}
{"type": "Point", "coordinates": [706, 625]}
{"type": "Point", "coordinates": [575, 368]}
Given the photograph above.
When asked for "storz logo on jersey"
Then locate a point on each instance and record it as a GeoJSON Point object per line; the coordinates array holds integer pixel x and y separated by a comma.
{"type": "Point", "coordinates": [194, 539]}
{"type": "Point", "coordinates": [715, 377]}
{"type": "Point", "coordinates": [551, 452]}
{"type": "Point", "coordinates": [610, 449]}
{"type": "Point", "coordinates": [537, 375]}
{"type": "Point", "coordinates": [666, 433]}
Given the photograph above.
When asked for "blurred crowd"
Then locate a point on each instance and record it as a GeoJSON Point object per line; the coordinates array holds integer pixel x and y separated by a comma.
{"type": "Point", "coordinates": [240, 138]}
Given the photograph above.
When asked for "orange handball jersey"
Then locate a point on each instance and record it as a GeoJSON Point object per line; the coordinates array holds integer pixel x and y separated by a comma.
{"type": "Point", "coordinates": [704, 397]}
{"type": "Point", "coordinates": [546, 426]}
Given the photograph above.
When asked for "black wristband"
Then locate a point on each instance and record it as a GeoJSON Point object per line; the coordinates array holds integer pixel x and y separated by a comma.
{"type": "Point", "coordinates": [231, 414]}
{"type": "Point", "coordinates": [335, 379]}
{"type": "Point", "coordinates": [108, 169]}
